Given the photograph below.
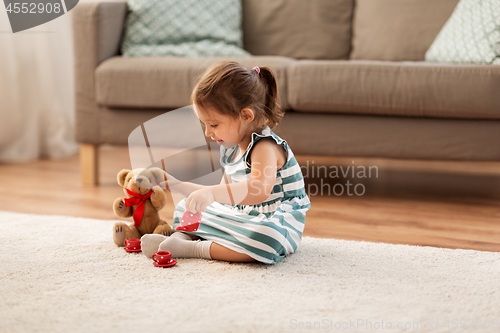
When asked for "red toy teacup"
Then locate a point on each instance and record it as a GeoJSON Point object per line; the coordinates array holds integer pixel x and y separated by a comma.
{"type": "Point", "coordinates": [190, 222]}
{"type": "Point", "coordinates": [133, 244]}
{"type": "Point", "coordinates": [162, 257]}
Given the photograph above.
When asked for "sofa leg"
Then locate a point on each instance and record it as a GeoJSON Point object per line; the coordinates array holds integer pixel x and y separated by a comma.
{"type": "Point", "coordinates": [89, 164]}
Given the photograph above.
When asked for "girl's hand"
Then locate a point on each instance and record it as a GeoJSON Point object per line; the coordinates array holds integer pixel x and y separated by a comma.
{"type": "Point", "coordinates": [168, 180]}
{"type": "Point", "coordinates": [199, 200]}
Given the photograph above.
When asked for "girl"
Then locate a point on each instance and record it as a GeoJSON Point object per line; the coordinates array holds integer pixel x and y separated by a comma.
{"type": "Point", "coordinates": [259, 213]}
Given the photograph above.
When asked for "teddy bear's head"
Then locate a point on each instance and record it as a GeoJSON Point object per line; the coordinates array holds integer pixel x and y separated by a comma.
{"type": "Point", "coordinates": [140, 180]}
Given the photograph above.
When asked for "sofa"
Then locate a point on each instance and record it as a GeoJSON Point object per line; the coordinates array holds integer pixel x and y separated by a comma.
{"type": "Point", "coordinates": [352, 79]}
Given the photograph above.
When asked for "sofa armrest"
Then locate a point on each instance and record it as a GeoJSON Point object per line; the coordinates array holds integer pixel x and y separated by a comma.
{"type": "Point", "coordinates": [97, 31]}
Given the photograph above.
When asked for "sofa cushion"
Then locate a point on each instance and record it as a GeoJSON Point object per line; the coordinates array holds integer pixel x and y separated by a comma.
{"type": "Point", "coordinates": [183, 28]}
{"type": "Point", "coordinates": [419, 89]}
{"type": "Point", "coordinates": [300, 29]}
{"type": "Point", "coordinates": [397, 30]}
{"type": "Point", "coordinates": [167, 82]}
{"type": "Point", "coordinates": [192, 28]}
{"type": "Point", "coordinates": [471, 35]}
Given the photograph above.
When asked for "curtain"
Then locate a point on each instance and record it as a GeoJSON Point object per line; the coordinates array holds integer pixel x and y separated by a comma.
{"type": "Point", "coordinates": [36, 91]}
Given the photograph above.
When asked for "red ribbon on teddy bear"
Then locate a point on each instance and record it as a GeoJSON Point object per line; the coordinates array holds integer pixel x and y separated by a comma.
{"type": "Point", "coordinates": [138, 200]}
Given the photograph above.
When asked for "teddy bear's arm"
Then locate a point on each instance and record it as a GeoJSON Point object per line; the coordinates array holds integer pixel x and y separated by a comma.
{"type": "Point", "coordinates": [158, 198]}
{"type": "Point", "coordinates": [121, 209]}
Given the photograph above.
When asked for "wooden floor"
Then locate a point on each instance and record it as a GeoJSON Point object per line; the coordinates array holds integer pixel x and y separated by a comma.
{"type": "Point", "coordinates": [441, 204]}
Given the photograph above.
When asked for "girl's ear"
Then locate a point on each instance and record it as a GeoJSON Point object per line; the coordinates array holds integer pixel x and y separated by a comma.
{"type": "Point", "coordinates": [247, 115]}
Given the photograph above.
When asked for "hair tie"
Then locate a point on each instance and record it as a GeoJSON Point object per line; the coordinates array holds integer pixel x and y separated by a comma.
{"type": "Point", "coordinates": [257, 69]}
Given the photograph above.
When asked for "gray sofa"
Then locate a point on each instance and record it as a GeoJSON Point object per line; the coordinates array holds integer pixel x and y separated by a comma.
{"type": "Point", "coordinates": [352, 78]}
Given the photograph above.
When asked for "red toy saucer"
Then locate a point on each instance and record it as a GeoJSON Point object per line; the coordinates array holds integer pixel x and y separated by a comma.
{"type": "Point", "coordinates": [170, 264]}
{"type": "Point", "coordinates": [189, 228]}
{"type": "Point", "coordinates": [133, 250]}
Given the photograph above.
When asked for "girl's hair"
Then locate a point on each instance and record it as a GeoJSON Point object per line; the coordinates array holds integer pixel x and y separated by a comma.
{"type": "Point", "coordinates": [228, 87]}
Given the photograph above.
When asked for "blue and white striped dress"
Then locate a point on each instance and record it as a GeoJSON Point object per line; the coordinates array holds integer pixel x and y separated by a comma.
{"type": "Point", "coordinates": [268, 231]}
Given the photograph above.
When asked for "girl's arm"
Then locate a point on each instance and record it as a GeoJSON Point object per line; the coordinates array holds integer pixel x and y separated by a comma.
{"type": "Point", "coordinates": [186, 188]}
{"type": "Point", "coordinates": [267, 157]}
{"type": "Point", "coordinates": [183, 188]}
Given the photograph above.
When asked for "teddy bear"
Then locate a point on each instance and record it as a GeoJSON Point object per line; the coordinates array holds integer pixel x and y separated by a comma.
{"type": "Point", "coordinates": [144, 199]}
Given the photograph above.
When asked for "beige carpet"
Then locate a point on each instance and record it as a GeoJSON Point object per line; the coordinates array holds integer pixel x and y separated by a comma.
{"type": "Point", "coordinates": [64, 274]}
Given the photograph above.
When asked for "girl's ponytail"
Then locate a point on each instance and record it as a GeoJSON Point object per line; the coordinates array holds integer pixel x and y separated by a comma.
{"type": "Point", "coordinates": [273, 111]}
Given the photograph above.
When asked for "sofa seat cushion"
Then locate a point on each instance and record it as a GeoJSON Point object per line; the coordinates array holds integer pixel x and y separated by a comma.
{"type": "Point", "coordinates": [416, 89]}
{"type": "Point", "coordinates": [167, 82]}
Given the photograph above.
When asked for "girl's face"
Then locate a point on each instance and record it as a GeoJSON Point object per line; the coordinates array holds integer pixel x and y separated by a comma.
{"type": "Point", "coordinates": [223, 129]}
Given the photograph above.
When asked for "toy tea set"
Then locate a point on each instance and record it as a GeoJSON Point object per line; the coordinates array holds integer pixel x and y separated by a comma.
{"type": "Point", "coordinates": [189, 222]}
{"type": "Point", "coordinates": [145, 198]}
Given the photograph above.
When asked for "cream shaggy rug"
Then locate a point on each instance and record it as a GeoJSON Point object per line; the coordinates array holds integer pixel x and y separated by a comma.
{"type": "Point", "coordinates": [64, 274]}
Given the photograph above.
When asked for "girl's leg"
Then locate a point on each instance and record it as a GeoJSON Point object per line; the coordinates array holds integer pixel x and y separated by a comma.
{"type": "Point", "coordinates": [220, 252]}
{"type": "Point", "coordinates": [183, 245]}
{"type": "Point", "coordinates": [150, 243]}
